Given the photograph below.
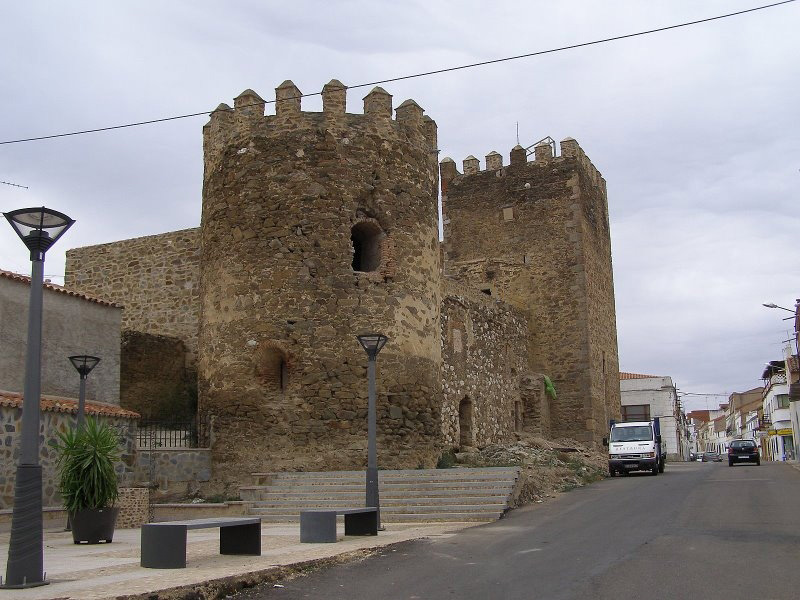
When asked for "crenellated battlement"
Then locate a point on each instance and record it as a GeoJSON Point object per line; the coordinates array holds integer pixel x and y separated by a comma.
{"type": "Point", "coordinates": [249, 116]}
{"type": "Point", "coordinates": [542, 155]}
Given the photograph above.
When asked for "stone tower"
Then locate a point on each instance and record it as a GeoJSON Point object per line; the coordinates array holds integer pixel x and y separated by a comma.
{"type": "Point", "coordinates": [536, 233]}
{"type": "Point", "coordinates": [317, 227]}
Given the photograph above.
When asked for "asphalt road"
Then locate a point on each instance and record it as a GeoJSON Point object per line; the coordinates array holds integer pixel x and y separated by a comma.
{"type": "Point", "coordinates": [700, 531]}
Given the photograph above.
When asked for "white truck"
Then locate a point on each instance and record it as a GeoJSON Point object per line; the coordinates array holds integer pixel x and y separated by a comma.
{"type": "Point", "coordinates": [635, 446]}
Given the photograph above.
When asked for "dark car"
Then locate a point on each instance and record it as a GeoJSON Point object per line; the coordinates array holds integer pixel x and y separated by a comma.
{"type": "Point", "coordinates": [711, 456]}
{"type": "Point", "coordinates": [743, 451]}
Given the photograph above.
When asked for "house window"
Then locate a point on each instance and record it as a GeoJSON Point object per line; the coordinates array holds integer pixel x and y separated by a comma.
{"type": "Point", "coordinates": [636, 412]}
{"type": "Point", "coordinates": [782, 400]}
{"type": "Point", "coordinates": [366, 238]}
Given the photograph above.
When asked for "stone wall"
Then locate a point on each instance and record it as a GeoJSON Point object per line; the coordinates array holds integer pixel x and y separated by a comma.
{"type": "Point", "coordinates": [535, 234]}
{"type": "Point", "coordinates": [317, 227]}
{"type": "Point", "coordinates": [134, 507]}
{"type": "Point", "coordinates": [157, 379]}
{"type": "Point", "coordinates": [57, 415]}
{"type": "Point", "coordinates": [484, 351]}
{"type": "Point", "coordinates": [174, 470]}
{"type": "Point", "coordinates": [154, 277]}
{"type": "Point", "coordinates": [71, 324]}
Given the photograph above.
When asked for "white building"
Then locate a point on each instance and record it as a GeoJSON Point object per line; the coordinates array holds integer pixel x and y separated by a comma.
{"type": "Point", "coordinates": [779, 442]}
{"type": "Point", "coordinates": [645, 397]}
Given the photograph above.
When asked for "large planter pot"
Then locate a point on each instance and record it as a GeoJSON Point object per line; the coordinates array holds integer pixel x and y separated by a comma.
{"type": "Point", "coordinates": [94, 525]}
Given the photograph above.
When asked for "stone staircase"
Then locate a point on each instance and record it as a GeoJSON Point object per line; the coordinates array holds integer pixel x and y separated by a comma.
{"type": "Point", "coordinates": [423, 495]}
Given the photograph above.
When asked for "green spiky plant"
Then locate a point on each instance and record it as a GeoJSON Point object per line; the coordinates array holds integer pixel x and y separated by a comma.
{"type": "Point", "coordinates": [85, 462]}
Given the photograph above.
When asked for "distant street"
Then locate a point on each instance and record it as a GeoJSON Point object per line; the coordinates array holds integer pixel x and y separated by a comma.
{"type": "Point", "coordinates": [699, 531]}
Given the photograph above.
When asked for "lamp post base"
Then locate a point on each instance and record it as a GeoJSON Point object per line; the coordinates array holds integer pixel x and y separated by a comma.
{"type": "Point", "coordinates": [25, 549]}
{"type": "Point", "coordinates": [372, 491]}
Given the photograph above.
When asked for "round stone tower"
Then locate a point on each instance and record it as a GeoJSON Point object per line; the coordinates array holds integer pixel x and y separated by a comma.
{"type": "Point", "coordinates": [317, 227]}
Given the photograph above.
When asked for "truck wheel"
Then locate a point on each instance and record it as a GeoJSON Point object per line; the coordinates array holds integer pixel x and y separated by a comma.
{"type": "Point", "coordinates": [655, 469]}
{"type": "Point", "coordinates": [661, 467]}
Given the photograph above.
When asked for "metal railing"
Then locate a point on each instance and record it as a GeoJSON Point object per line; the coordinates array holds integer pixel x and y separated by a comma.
{"type": "Point", "coordinates": [172, 434]}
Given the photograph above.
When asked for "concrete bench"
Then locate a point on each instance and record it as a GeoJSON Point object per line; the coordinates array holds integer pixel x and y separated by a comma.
{"type": "Point", "coordinates": [319, 524]}
{"type": "Point", "coordinates": [164, 544]}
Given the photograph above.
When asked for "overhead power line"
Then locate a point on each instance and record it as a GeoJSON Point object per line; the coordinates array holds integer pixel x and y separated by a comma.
{"type": "Point", "coordinates": [423, 74]}
{"type": "Point", "coordinates": [14, 184]}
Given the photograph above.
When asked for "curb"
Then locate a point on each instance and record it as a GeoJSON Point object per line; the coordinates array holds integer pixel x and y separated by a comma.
{"type": "Point", "coordinates": [221, 587]}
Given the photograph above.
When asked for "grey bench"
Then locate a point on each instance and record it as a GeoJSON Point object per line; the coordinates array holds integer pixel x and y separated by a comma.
{"type": "Point", "coordinates": [319, 524]}
{"type": "Point", "coordinates": [164, 544]}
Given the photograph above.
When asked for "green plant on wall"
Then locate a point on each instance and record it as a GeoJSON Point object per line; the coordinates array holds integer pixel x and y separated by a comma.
{"type": "Point", "coordinates": [85, 463]}
{"type": "Point", "coordinates": [549, 387]}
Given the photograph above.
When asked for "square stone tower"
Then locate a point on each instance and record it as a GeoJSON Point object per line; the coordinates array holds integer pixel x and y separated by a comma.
{"type": "Point", "coordinates": [536, 234]}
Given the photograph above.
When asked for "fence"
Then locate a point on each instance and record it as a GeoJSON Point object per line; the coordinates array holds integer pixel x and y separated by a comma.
{"type": "Point", "coordinates": [172, 434]}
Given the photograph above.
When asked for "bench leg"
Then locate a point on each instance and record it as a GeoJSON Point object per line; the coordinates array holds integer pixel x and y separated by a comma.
{"type": "Point", "coordinates": [317, 527]}
{"type": "Point", "coordinates": [361, 523]}
{"type": "Point", "coordinates": [240, 539]}
{"type": "Point", "coordinates": [163, 547]}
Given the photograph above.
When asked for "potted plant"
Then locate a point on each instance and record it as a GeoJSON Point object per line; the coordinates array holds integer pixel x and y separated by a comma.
{"type": "Point", "coordinates": [88, 481]}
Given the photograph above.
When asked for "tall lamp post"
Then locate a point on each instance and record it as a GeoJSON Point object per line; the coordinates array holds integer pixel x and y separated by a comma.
{"type": "Point", "coordinates": [372, 344]}
{"type": "Point", "coordinates": [39, 229]}
{"type": "Point", "coordinates": [84, 365]}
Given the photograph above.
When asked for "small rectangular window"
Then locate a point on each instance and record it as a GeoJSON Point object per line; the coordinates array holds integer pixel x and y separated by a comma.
{"type": "Point", "coordinates": [508, 214]}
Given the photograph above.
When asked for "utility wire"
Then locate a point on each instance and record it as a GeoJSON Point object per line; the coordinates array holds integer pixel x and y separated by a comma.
{"type": "Point", "coordinates": [14, 184]}
{"type": "Point", "coordinates": [424, 74]}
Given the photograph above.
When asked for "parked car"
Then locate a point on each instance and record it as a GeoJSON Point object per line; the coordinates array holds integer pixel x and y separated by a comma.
{"type": "Point", "coordinates": [711, 456]}
{"type": "Point", "coordinates": [743, 451]}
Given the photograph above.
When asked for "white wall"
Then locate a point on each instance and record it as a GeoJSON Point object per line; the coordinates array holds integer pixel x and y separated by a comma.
{"type": "Point", "coordinates": [659, 394]}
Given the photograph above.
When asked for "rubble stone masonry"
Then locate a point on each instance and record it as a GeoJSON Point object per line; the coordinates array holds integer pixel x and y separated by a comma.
{"type": "Point", "coordinates": [536, 234]}
{"type": "Point", "coordinates": [317, 227]}
{"type": "Point", "coordinates": [484, 359]}
{"type": "Point", "coordinates": [155, 278]}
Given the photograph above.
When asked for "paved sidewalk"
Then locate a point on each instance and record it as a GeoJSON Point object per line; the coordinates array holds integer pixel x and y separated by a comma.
{"type": "Point", "coordinates": [113, 571]}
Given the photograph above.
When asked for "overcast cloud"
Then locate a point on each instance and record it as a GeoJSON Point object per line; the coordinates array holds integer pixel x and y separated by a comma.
{"type": "Point", "coordinates": [695, 131]}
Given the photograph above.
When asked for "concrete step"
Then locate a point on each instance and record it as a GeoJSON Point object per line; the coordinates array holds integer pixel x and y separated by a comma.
{"type": "Point", "coordinates": [417, 495]}
{"type": "Point", "coordinates": [354, 501]}
{"type": "Point", "coordinates": [265, 494]}
{"type": "Point", "coordinates": [425, 488]}
{"type": "Point", "coordinates": [407, 509]}
{"type": "Point", "coordinates": [466, 517]}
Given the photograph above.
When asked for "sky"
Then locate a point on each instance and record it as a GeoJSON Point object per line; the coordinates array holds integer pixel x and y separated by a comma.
{"type": "Point", "coordinates": [694, 129]}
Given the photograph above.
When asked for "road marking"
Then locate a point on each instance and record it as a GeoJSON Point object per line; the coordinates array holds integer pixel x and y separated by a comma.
{"type": "Point", "coordinates": [531, 550]}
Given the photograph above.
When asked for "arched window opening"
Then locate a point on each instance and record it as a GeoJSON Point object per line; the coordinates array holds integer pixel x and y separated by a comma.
{"type": "Point", "coordinates": [273, 369]}
{"type": "Point", "coordinates": [366, 238]}
{"type": "Point", "coordinates": [465, 423]}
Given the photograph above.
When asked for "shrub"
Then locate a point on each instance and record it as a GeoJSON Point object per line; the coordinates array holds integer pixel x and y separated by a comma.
{"type": "Point", "coordinates": [85, 463]}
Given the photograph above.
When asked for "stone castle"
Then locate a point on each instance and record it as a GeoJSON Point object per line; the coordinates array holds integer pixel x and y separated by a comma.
{"type": "Point", "coordinates": [317, 226]}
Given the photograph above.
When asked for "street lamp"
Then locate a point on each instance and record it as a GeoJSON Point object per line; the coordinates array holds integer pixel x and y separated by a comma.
{"type": "Point", "coordinates": [794, 312]}
{"type": "Point", "coordinates": [84, 364]}
{"type": "Point", "coordinates": [39, 229]}
{"type": "Point", "coordinates": [372, 344]}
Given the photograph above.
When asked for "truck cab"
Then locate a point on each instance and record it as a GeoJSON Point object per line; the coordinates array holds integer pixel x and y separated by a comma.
{"type": "Point", "coordinates": [635, 446]}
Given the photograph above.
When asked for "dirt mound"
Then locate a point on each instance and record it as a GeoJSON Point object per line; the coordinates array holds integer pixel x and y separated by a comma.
{"type": "Point", "coordinates": [547, 466]}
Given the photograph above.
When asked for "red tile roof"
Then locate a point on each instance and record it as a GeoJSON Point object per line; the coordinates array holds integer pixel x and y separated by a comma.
{"type": "Point", "coordinates": [636, 376]}
{"type": "Point", "coordinates": [57, 288]}
{"type": "Point", "coordinates": [68, 405]}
